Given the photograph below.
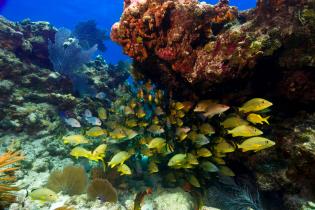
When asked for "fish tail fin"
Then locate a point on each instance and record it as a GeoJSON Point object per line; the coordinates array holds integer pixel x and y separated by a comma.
{"type": "Point", "coordinates": [229, 131]}
{"type": "Point", "coordinates": [240, 109]}
{"type": "Point", "coordinates": [266, 120]}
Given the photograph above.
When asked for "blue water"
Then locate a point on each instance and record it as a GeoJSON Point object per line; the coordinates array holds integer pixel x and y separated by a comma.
{"type": "Point", "coordinates": [67, 13]}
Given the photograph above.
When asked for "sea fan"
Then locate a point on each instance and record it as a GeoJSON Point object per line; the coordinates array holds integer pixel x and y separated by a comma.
{"type": "Point", "coordinates": [232, 196]}
{"type": "Point", "coordinates": [102, 189]}
{"type": "Point", "coordinates": [72, 180]}
{"type": "Point", "coordinates": [7, 177]}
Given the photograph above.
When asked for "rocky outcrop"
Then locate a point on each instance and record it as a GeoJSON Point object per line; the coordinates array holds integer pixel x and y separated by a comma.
{"type": "Point", "coordinates": [213, 50]}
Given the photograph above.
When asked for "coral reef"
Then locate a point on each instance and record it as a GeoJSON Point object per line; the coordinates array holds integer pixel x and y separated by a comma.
{"type": "Point", "coordinates": [32, 94]}
{"type": "Point", "coordinates": [286, 174]}
{"type": "Point", "coordinates": [103, 190]}
{"type": "Point", "coordinates": [212, 49]}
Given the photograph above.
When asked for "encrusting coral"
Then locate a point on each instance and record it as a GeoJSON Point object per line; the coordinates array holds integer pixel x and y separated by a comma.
{"type": "Point", "coordinates": [7, 177]}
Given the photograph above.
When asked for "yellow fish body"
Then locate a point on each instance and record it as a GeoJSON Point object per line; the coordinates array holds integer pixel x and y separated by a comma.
{"type": "Point", "coordinates": [224, 147]}
{"type": "Point", "coordinates": [203, 152]}
{"type": "Point", "coordinates": [158, 111]}
{"type": "Point", "coordinates": [233, 122]}
{"type": "Point", "coordinates": [193, 180]}
{"type": "Point", "coordinates": [226, 171]}
{"type": "Point", "coordinates": [99, 152]}
{"type": "Point", "coordinates": [102, 114]}
{"type": "Point", "coordinates": [75, 140]}
{"type": "Point", "coordinates": [44, 194]}
{"type": "Point", "coordinates": [80, 152]}
{"type": "Point", "coordinates": [179, 106]}
{"type": "Point", "coordinates": [206, 129]}
{"type": "Point", "coordinates": [245, 131]}
{"type": "Point", "coordinates": [192, 159]}
{"type": "Point", "coordinates": [124, 169]}
{"type": "Point", "coordinates": [255, 105]}
{"type": "Point", "coordinates": [177, 160]}
{"type": "Point", "coordinates": [128, 110]}
{"type": "Point", "coordinates": [95, 132]}
{"type": "Point", "coordinates": [140, 113]}
{"type": "Point", "coordinates": [156, 129]}
{"type": "Point", "coordinates": [257, 119]}
{"type": "Point", "coordinates": [153, 167]}
{"type": "Point", "coordinates": [256, 143]}
{"type": "Point", "coordinates": [118, 133]}
{"type": "Point", "coordinates": [157, 143]}
{"type": "Point", "coordinates": [131, 123]}
{"type": "Point", "coordinates": [130, 133]}
{"type": "Point", "coordinates": [119, 159]}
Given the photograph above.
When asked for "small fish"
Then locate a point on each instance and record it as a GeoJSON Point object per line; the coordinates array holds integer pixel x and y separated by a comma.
{"type": "Point", "coordinates": [193, 180]}
{"type": "Point", "coordinates": [156, 129]}
{"type": "Point", "coordinates": [150, 98]}
{"type": "Point", "coordinates": [95, 132]}
{"type": "Point", "coordinates": [201, 140]}
{"type": "Point", "coordinates": [245, 131]}
{"type": "Point", "coordinates": [215, 109]}
{"type": "Point", "coordinates": [219, 160]}
{"type": "Point", "coordinates": [119, 159]}
{"type": "Point", "coordinates": [177, 160]}
{"type": "Point", "coordinates": [181, 135]}
{"type": "Point", "coordinates": [192, 159]}
{"type": "Point", "coordinates": [102, 114]}
{"type": "Point", "coordinates": [224, 147]}
{"type": "Point", "coordinates": [255, 105]}
{"type": "Point", "coordinates": [192, 135]}
{"type": "Point", "coordinates": [179, 106]}
{"type": "Point", "coordinates": [118, 133]}
{"type": "Point", "coordinates": [132, 104]}
{"type": "Point", "coordinates": [80, 152]}
{"type": "Point", "coordinates": [159, 94]}
{"type": "Point", "coordinates": [143, 124]}
{"type": "Point", "coordinates": [158, 111]}
{"type": "Point", "coordinates": [94, 121]}
{"type": "Point", "coordinates": [72, 122]}
{"type": "Point", "coordinates": [233, 122]}
{"type": "Point", "coordinates": [128, 110]}
{"type": "Point", "coordinates": [44, 194]}
{"type": "Point", "coordinates": [99, 151]}
{"type": "Point", "coordinates": [100, 95]}
{"type": "Point", "coordinates": [74, 140]}
{"type": "Point", "coordinates": [140, 94]}
{"type": "Point", "coordinates": [187, 105]}
{"type": "Point", "coordinates": [179, 122]}
{"type": "Point", "coordinates": [202, 106]}
{"type": "Point", "coordinates": [131, 123]}
{"type": "Point", "coordinates": [153, 167]}
{"type": "Point", "coordinates": [256, 144]}
{"type": "Point", "coordinates": [207, 129]}
{"type": "Point", "coordinates": [226, 171]}
{"type": "Point", "coordinates": [130, 133]}
{"type": "Point", "coordinates": [124, 169]}
{"type": "Point", "coordinates": [157, 143]}
{"type": "Point", "coordinates": [208, 166]}
{"type": "Point", "coordinates": [180, 114]}
{"type": "Point", "coordinates": [141, 113]}
{"type": "Point", "coordinates": [204, 152]}
{"type": "Point", "coordinates": [87, 113]}
{"type": "Point", "coordinates": [155, 120]}
{"type": "Point", "coordinates": [257, 119]}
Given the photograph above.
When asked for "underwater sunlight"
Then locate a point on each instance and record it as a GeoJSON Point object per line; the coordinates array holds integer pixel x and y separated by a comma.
{"type": "Point", "coordinates": [157, 105]}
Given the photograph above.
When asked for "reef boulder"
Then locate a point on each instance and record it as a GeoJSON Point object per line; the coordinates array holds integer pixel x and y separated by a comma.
{"type": "Point", "coordinates": [210, 49]}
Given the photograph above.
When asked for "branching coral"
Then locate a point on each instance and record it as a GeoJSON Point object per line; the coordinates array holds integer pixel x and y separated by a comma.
{"type": "Point", "coordinates": [72, 180]}
{"type": "Point", "coordinates": [6, 176]}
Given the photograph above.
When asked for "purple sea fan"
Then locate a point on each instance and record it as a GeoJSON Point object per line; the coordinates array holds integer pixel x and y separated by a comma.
{"type": "Point", "coordinates": [66, 54]}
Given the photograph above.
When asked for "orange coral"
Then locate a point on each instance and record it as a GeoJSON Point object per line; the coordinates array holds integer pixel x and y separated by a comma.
{"type": "Point", "coordinates": [7, 177]}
